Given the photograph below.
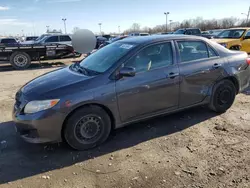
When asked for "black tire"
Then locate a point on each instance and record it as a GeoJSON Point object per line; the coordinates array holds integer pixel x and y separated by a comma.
{"type": "Point", "coordinates": [223, 96]}
{"type": "Point", "coordinates": [20, 60]}
{"type": "Point", "coordinates": [81, 123]}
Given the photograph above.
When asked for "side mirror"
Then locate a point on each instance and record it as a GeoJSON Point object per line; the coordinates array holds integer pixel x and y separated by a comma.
{"type": "Point", "coordinates": [246, 37]}
{"type": "Point", "coordinates": [127, 72]}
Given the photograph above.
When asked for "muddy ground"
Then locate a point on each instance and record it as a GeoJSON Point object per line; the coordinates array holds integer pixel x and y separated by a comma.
{"type": "Point", "coordinates": [195, 149]}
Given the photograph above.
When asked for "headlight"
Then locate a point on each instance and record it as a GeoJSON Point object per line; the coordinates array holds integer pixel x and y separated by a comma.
{"type": "Point", "coordinates": [223, 44]}
{"type": "Point", "coordinates": [37, 106]}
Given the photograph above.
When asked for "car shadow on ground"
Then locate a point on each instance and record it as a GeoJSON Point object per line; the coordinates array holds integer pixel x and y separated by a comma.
{"type": "Point", "coordinates": [34, 66]}
{"type": "Point", "coordinates": [21, 160]}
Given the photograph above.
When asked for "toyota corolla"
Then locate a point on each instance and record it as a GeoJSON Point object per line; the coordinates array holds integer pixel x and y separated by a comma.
{"type": "Point", "coordinates": [125, 82]}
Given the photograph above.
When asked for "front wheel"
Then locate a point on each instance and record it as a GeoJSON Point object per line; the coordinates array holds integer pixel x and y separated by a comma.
{"type": "Point", "coordinates": [223, 96]}
{"type": "Point", "coordinates": [86, 128]}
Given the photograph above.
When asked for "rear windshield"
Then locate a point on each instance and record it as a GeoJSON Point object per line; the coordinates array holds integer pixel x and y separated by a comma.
{"type": "Point", "coordinates": [179, 31]}
{"type": "Point", "coordinates": [106, 57]}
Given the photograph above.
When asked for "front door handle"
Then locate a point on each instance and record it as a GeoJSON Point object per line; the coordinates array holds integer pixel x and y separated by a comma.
{"type": "Point", "coordinates": [172, 75]}
{"type": "Point", "coordinates": [216, 65]}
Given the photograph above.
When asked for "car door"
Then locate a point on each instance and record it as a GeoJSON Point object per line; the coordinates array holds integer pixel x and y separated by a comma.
{"type": "Point", "coordinates": [52, 40]}
{"type": "Point", "coordinates": [246, 42]}
{"type": "Point", "coordinates": [154, 88]}
{"type": "Point", "coordinates": [200, 66]}
{"type": "Point", "coordinates": [64, 39]}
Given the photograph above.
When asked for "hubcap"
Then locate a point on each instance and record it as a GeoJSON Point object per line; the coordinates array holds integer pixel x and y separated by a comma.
{"type": "Point", "coordinates": [224, 97]}
{"type": "Point", "coordinates": [88, 128]}
{"type": "Point", "coordinates": [20, 60]}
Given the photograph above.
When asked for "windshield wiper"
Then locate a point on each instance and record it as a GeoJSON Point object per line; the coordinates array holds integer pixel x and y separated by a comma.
{"type": "Point", "coordinates": [77, 68]}
{"type": "Point", "coordinates": [84, 70]}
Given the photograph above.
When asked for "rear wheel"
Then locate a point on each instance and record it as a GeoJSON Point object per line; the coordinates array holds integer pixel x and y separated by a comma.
{"type": "Point", "coordinates": [88, 127]}
{"type": "Point", "coordinates": [20, 60]}
{"type": "Point", "coordinates": [223, 96]}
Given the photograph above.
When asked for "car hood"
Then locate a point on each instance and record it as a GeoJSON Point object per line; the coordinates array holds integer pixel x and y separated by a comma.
{"type": "Point", "coordinates": [52, 82]}
{"type": "Point", "coordinates": [28, 42]}
{"type": "Point", "coordinates": [224, 40]}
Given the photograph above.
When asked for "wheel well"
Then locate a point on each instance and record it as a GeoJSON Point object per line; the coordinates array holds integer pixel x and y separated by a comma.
{"type": "Point", "coordinates": [235, 82]}
{"type": "Point", "coordinates": [106, 109]}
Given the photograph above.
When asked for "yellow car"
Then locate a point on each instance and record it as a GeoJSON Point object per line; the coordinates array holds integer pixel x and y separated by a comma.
{"type": "Point", "coordinates": [235, 39]}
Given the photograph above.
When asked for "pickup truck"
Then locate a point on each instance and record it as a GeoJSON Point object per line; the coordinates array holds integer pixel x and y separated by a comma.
{"type": "Point", "coordinates": [192, 31]}
{"type": "Point", "coordinates": [21, 55]}
{"type": "Point", "coordinates": [235, 39]}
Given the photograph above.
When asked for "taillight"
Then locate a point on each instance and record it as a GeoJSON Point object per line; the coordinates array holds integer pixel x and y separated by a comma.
{"type": "Point", "coordinates": [248, 61]}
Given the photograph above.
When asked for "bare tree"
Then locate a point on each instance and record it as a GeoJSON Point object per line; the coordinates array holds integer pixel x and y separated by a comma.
{"type": "Point", "coordinates": [198, 22]}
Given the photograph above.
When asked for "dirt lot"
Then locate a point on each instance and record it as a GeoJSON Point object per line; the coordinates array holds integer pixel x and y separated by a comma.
{"type": "Point", "coordinates": [194, 149]}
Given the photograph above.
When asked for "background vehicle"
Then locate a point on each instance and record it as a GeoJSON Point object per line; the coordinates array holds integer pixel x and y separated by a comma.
{"type": "Point", "coordinates": [20, 55]}
{"type": "Point", "coordinates": [235, 39]}
{"type": "Point", "coordinates": [119, 82]}
{"type": "Point", "coordinates": [192, 31]}
{"type": "Point", "coordinates": [55, 39]}
{"type": "Point", "coordinates": [31, 38]}
{"type": "Point", "coordinates": [100, 40]}
{"type": "Point", "coordinates": [138, 34]}
{"type": "Point", "coordinates": [111, 41]}
{"type": "Point", "coordinates": [215, 32]}
{"type": "Point", "coordinates": [8, 41]}
{"type": "Point", "coordinates": [46, 39]}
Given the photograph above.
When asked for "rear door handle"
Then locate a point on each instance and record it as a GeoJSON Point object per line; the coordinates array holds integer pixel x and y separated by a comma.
{"type": "Point", "coordinates": [216, 65]}
{"type": "Point", "coordinates": [172, 75]}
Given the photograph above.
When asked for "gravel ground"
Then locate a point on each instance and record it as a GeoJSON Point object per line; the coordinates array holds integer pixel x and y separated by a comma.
{"type": "Point", "coordinates": [192, 149]}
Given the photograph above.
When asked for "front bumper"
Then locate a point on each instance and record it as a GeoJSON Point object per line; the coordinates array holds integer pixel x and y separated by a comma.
{"type": "Point", "coordinates": [40, 127]}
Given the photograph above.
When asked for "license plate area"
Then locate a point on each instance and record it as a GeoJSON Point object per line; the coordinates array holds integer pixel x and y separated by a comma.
{"type": "Point", "coordinates": [50, 53]}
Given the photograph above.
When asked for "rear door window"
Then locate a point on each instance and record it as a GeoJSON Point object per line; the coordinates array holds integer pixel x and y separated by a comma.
{"type": "Point", "coordinates": [52, 39]}
{"type": "Point", "coordinates": [192, 50]}
{"type": "Point", "coordinates": [65, 38]}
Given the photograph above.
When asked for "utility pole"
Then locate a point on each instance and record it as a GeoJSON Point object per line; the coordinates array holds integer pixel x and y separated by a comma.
{"type": "Point", "coordinates": [47, 26]}
{"type": "Point", "coordinates": [166, 13]}
{"type": "Point", "coordinates": [64, 21]}
{"type": "Point", "coordinates": [100, 25]}
{"type": "Point", "coordinates": [170, 22]}
{"type": "Point", "coordinates": [119, 32]}
{"type": "Point", "coordinates": [247, 15]}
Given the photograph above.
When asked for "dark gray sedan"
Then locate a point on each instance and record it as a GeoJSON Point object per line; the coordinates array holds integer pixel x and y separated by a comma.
{"type": "Point", "coordinates": [125, 82]}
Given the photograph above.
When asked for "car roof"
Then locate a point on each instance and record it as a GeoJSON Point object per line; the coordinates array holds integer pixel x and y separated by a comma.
{"type": "Point", "coordinates": [158, 38]}
{"type": "Point", "coordinates": [238, 28]}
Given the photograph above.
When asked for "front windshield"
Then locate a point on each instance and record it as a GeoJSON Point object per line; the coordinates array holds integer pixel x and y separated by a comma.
{"type": "Point", "coordinates": [41, 38]}
{"type": "Point", "coordinates": [103, 59]}
{"type": "Point", "coordinates": [179, 31]}
{"type": "Point", "coordinates": [216, 33]}
{"type": "Point", "coordinates": [232, 33]}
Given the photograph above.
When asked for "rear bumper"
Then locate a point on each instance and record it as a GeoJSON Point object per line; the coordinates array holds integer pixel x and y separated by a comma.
{"type": "Point", "coordinates": [40, 127]}
{"type": "Point", "coordinates": [244, 79]}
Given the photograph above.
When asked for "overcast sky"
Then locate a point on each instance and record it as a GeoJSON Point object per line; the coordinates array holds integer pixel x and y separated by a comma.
{"type": "Point", "coordinates": [32, 16]}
